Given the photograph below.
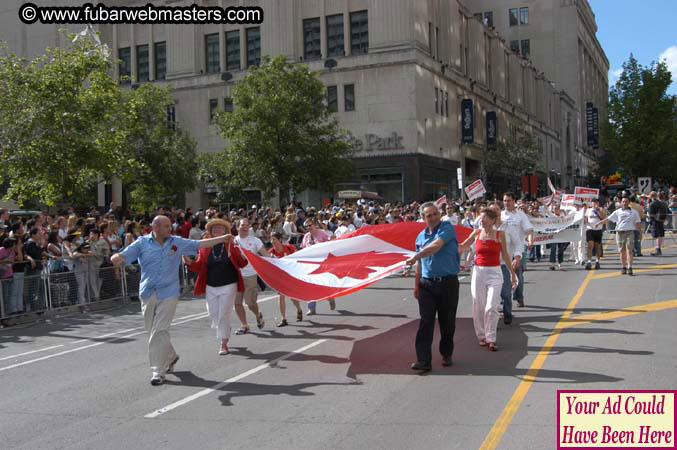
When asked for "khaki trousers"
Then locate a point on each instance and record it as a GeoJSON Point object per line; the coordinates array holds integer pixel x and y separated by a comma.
{"type": "Point", "coordinates": [157, 317]}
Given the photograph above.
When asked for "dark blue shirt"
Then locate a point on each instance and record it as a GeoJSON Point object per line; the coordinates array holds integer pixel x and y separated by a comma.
{"type": "Point", "coordinates": [446, 261]}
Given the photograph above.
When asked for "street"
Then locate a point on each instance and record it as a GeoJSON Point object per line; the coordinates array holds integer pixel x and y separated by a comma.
{"type": "Point", "coordinates": [341, 379]}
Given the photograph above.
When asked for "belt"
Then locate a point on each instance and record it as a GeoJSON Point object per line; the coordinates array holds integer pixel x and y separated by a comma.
{"type": "Point", "coordinates": [438, 279]}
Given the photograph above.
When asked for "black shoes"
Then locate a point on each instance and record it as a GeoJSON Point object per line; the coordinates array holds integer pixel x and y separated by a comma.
{"type": "Point", "coordinates": [596, 265]}
{"type": "Point", "coordinates": [283, 323]}
{"type": "Point", "coordinates": [658, 252]}
{"type": "Point", "coordinates": [588, 265]}
{"type": "Point", "coordinates": [421, 366]}
{"type": "Point", "coordinates": [446, 361]}
{"type": "Point", "coordinates": [630, 271]}
{"type": "Point", "coordinates": [624, 271]}
{"type": "Point", "coordinates": [507, 319]}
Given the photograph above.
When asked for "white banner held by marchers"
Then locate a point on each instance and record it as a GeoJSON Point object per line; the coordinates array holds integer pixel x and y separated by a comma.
{"type": "Point", "coordinates": [551, 230]}
{"type": "Point", "coordinates": [475, 190]}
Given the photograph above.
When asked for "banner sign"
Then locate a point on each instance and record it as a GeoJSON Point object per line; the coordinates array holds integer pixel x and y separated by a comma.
{"type": "Point", "coordinates": [585, 196]}
{"type": "Point", "coordinates": [568, 201]}
{"type": "Point", "coordinates": [475, 190]}
{"type": "Point", "coordinates": [590, 123]}
{"type": "Point", "coordinates": [492, 129]}
{"type": "Point", "coordinates": [595, 127]}
{"type": "Point", "coordinates": [441, 201]}
{"type": "Point", "coordinates": [644, 184]}
{"type": "Point", "coordinates": [467, 122]}
{"type": "Point", "coordinates": [550, 230]}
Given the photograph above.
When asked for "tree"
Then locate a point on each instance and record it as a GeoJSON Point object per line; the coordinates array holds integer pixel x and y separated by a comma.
{"type": "Point", "coordinates": [57, 128]}
{"type": "Point", "coordinates": [516, 154]}
{"type": "Point", "coordinates": [281, 133]}
{"type": "Point", "coordinates": [66, 124]}
{"type": "Point", "coordinates": [640, 135]}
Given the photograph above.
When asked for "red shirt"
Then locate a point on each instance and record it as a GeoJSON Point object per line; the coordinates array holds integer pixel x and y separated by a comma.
{"type": "Point", "coordinates": [184, 230]}
{"type": "Point", "coordinates": [488, 252]}
{"type": "Point", "coordinates": [287, 249]}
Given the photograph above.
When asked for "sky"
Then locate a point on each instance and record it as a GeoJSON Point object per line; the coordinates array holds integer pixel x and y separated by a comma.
{"type": "Point", "coordinates": [647, 29]}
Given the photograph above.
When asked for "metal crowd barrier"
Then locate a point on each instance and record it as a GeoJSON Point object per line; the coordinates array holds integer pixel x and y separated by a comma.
{"type": "Point", "coordinates": [65, 285]}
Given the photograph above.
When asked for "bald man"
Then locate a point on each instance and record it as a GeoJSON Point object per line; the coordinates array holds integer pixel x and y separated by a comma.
{"type": "Point", "coordinates": [159, 255]}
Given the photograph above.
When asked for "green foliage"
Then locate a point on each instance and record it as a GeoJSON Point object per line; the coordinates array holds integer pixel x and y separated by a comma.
{"type": "Point", "coordinates": [65, 124]}
{"type": "Point", "coordinates": [640, 135]}
{"type": "Point", "coordinates": [281, 134]}
{"type": "Point", "coordinates": [517, 154]}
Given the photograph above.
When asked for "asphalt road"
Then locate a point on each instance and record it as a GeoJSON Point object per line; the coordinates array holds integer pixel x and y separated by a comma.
{"type": "Point", "coordinates": [341, 380]}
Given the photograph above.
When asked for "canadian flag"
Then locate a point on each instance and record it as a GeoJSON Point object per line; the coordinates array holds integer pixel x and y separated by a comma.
{"type": "Point", "coordinates": [345, 265]}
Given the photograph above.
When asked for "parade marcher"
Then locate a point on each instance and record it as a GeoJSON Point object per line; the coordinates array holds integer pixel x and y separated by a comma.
{"type": "Point", "coordinates": [658, 212]}
{"type": "Point", "coordinates": [578, 247]}
{"type": "Point", "coordinates": [436, 286]}
{"type": "Point", "coordinates": [159, 255]}
{"type": "Point", "coordinates": [251, 288]}
{"type": "Point", "coordinates": [280, 250]}
{"type": "Point", "coordinates": [487, 277]}
{"type": "Point", "coordinates": [638, 232]}
{"type": "Point", "coordinates": [219, 278]}
{"type": "Point", "coordinates": [627, 221]}
{"type": "Point", "coordinates": [517, 228]}
{"type": "Point", "coordinates": [557, 249]}
{"type": "Point", "coordinates": [594, 233]}
{"type": "Point", "coordinates": [312, 237]}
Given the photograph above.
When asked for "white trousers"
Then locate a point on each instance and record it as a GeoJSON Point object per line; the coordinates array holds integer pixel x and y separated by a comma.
{"type": "Point", "coordinates": [157, 317]}
{"type": "Point", "coordinates": [579, 250]}
{"type": "Point", "coordinates": [220, 301]}
{"type": "Point", "coordinates": [485, 288]}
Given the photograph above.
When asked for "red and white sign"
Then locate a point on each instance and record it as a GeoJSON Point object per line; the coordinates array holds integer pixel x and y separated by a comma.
{"type": "Point", "coordinates": [345, 265]}
{"type": "Point", "coordinates": [585, 196]}
{"type": "Point", "coordinates": [441, 201]}
{"type": "Point", "coordinates": [568, 201]}
{"type": "Point", "coordinates": [475, 190]}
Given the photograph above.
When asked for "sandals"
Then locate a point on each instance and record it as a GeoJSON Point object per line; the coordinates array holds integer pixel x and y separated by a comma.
{"type": "Point", "coordinates": [243, 330]}
{"type": "Point", "coordinates": [259, 321]}
{"type": "Point", "coordinates": [492, 346]}
{"type": "Point", "coordinates": [299, 316]}
{"type": "Point", "coordinates": [283, 323]}
{"type": "Point", "coordinates": [483, 342]}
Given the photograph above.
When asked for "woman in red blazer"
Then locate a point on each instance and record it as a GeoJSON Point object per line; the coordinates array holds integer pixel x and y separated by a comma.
{"type": "Point", "coordinates": [219, 277]}
{"type": "Point", "coordinates": [280, 250]}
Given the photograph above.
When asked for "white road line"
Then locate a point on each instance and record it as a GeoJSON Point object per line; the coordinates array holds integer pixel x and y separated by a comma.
{"type": "Point", "coordinates": [234, 379]}
{"type": "Point", "coordinates": [34, 351]}
{"type": "Point", "coordinates": [14, 366]}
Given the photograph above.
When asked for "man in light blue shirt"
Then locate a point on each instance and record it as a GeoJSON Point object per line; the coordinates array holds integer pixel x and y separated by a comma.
{"type": "Point", "coordinates": [159, 255]}
{"type": "Point", "coordinates": [436, 287]}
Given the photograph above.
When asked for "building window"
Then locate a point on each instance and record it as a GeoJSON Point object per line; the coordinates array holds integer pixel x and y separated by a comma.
{"type": "Point", "coordinates": [142, 63]}
{"type": "Point", "coordinates": [437, 42]}
{"type": "Point", "coordinates": [253, 46]}
{"type": "Point", "coordinates": [446, 103]}
{"type": "Point", "coordinates": [171, 117]}
{"type": "Point", "coordinates": [125, 57]}
{"type": "Point", "coordinates": [524, 16]}
{"type": "Point", "coordinates": [213, 106]}
{"type": "Point", "coordinates": [515, 46]}
{"type": "Point", "coordinates": [335, 36]}
{"type": "Point", "coordinates": [160, 60]}
{"type": "Point", "coordinates": [332, 98]}
{"type": "Point", "coordinates": [212, 53]}
{"type": "Point", "coordinates": [512, 14]}
{"type": "Point", "coordinates": [489, 19]}
{"type": "Point", "coordinates": [233, 50]}
{"type": "Point", "coordinates": [311, 39]}
{"type": "Point", "coordinates": [349, 97]}
{"type": "Point", "coordinates": [228, 104]}
{"type": "Point", "coordinates": [526, 48]}
{"type": "Point", "coordinates": [437, 101]}
{"type": "Point", "coordinates": [430, 39]}
{"type": "Point", "coordinates": [359, 32]}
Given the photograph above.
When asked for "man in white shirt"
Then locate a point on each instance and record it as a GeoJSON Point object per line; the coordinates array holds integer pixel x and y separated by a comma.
{"type": "Point", "coordinates": [627, 220]}
{"type": "Point", "coordinates": [594, 233]}
{"type": "Point", "coordinates": [251, 288]}
{"type": "Point", "coordinates": [345, 227]}
{"type": "Point", "coordinates": [517, 227]}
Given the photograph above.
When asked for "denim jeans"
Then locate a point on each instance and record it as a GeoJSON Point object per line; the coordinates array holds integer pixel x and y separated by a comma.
{"type": "Point", "coordinates": [557, 252]}
{"type": "Point", "coordinates": [638, 243]}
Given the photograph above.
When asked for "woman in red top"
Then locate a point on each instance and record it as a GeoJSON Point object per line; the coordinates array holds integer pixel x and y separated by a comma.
{"type": "Point", "coordinates": [280, 250]}
{"type": "Point", "coordinates": [487, 278]}
{"type": "Point", "coordinates": [219, 278]}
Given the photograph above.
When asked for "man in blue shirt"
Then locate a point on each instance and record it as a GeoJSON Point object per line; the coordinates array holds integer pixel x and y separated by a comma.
{"type": "Point", "coordinates": [159, 255]}
{"type": "Point", "coordinates": [436, 286]}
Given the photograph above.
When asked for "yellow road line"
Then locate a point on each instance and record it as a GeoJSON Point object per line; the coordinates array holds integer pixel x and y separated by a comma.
{"type": "Point", "coordinates": [501, 425]}
{"type": "Point", "coordinates": [648, 269]}
{"type": "Point", "coordinates": [631, 311]}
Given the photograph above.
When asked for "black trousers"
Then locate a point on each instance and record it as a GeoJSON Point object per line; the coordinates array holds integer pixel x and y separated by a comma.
{"type": "Point", "coordinates": [441, 298]}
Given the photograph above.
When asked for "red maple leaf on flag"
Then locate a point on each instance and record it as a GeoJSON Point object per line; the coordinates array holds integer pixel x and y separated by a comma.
{"type": "Point", "coordinates": [355, 265]}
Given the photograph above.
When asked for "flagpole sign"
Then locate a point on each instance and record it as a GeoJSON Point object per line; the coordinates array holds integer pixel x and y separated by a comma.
{"type": "Point", "coordinates": [342, 266]}
{"type": "Point", "coordinates": [475, 190]}
{"type": "Point", "coordinates": [467, 122]}
{"type": "Point", "coordinates": [585, 196]}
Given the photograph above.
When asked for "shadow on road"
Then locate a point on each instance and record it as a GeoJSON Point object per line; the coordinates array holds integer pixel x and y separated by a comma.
{"type": "Point", "coordinates": [392, 352]}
